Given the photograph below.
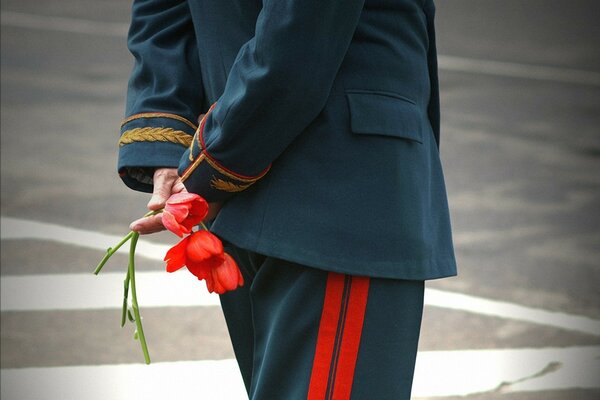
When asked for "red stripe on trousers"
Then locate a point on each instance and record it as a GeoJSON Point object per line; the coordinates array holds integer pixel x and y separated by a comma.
{"type": "Point", "coordinates": [355, 305]}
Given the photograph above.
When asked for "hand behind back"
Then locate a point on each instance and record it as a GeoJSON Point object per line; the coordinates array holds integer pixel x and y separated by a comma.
{"type": "Point", "coordinates": [166, 183]}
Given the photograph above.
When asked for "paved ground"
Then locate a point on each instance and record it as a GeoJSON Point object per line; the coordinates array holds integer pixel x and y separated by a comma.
{"type": "Point", "coordinates": [520, 145]}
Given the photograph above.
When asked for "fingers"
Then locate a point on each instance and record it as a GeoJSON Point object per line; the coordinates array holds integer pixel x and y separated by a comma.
{"type": "Point", "coordinates": [153, 224]}
{"type": "Point", "coordinates": [148, 225]}
{"type": "Point", "coordinates": [178, 186]}
{"type": "Point", "coordinates": [164, 182]}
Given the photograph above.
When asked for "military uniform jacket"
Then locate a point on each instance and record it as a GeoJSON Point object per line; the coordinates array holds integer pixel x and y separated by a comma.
{"type": "Point", "coordinates": [321, 132]}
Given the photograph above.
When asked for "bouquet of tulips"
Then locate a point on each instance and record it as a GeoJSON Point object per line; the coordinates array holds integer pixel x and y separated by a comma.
{"type": "Point", "coordinates": [200, 251]}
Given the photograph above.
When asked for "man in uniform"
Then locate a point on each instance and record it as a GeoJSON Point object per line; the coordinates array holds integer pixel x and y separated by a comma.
{"type": "Point", "coordinates": [318, 151]}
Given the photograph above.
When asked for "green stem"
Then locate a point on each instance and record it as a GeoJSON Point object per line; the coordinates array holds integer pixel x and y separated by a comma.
{"type": "Point", "coordinates": [203, 226]}
{"type": "Point", "coordinates": [111, 251]}
{"type": "Point", "coordinates": [136, 311]}
{"type": "Point", "coordinates": [151, 213]}
{"type": "Point", "coordinates": [125, 296]}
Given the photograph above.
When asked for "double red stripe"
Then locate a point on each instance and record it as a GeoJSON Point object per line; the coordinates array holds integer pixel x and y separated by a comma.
{"type": "Point", "coordinates": [339, 335]}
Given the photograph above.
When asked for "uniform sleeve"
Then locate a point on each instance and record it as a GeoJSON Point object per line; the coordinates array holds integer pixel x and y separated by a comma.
{"type": "Point", "coordinates": [164, 96]}
{"type": "Point", "coordinates": [278, 84]}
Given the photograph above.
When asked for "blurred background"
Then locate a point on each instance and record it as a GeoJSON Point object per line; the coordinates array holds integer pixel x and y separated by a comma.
{"type": "Point", "coordinates": [520, 92]}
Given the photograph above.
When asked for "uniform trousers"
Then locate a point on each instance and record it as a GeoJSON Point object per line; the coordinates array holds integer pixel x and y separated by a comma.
{"type": "Point", "coordinates": [305, 333]}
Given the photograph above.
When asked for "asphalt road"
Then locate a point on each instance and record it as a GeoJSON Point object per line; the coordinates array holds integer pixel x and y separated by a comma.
{"type": "Point", "coordinates": [520, 93]}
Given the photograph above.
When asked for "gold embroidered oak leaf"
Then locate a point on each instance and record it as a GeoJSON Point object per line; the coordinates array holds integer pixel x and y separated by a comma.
{"type": "Point", "coordinates": [225, 186]}
{"type": "Point", "coordinates": [150, 134]}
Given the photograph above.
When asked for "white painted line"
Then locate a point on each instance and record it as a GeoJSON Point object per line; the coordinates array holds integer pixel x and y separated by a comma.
{"type": "Point", "coordinates": [181, 289]}
{"type": "Point", "coordinates": [460, 373]}
{"type": "Point", "coordinates": [450, 63]}
{"type": "Point", "coordinates": [88, 291]}
{"type": "Point", "coordinates": [516, 70]}
{"type": "Point", "coordinates": [159, 381]}
{"type": "Point", "coordinates": [438, 373]}
{"type": "Point", "coordinates": [82, 291]}
{"type": "Point", "coordinates": [501, 309]}
{"type": "Point", "coordinates": [63, 24]}
{"type": "Point", "coordinates": [13, 228]}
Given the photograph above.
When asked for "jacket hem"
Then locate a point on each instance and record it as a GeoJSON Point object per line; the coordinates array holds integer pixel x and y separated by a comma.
{"type": "Point", "coordinates": [426, 269]}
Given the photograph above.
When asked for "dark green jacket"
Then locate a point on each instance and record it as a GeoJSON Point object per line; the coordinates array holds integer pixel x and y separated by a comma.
{"type": "Point", "coordinates": [322, 130]}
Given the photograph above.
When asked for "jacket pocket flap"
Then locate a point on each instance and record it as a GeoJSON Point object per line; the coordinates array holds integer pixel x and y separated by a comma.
{"type": "Point", "coordinates": [384, 114]}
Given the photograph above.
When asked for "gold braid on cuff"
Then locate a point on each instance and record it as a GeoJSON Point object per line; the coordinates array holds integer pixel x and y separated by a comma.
{"type": "Point", "coordinates": [149, 134]}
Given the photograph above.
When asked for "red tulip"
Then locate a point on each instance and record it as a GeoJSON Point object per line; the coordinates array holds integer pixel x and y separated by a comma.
{"type": "Point", "coordinates": [200, 252]}
{"type": "Point", "coordinates": [183, 211]}
{"type": "Point", "coordinates": [225, 277]}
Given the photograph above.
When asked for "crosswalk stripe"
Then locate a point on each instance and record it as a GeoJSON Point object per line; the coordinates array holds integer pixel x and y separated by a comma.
{"type": "Point", "coordinates": [180, 289]}
{"type": "Point", "coordinates": [502, 309]}
{"type": "Point", "coordinates": [14, 228]}
{"type": "Point", "coordinates": [437, 374]}
{"type": "Point", "coordinates": [88, 291]}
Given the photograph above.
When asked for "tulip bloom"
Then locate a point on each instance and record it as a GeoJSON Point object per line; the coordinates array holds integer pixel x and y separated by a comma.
{"type": "Point", "coordinates": [225, 277]}
{"type": "Point", "coordinates": [183, 211]}
{"type": "Point", "coordinates": [202, 253]}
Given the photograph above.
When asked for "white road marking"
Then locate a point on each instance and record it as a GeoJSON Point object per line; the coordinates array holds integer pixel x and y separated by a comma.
{"type": "Point", "coordinates": [82, 291]}
{"type": "Point", "coordinates": [88, 291]}
{"type": "Point", "coordinates": [502, 309]}
{"type": "Point", "coordinates": [464, 372]}
{"type": "Point", "coordinates": [180, 289]}
{"type": "Point", "coordinates": [437, 373]}
{"type": "Point", "coordinates": [450, 63]}
{"type": "Point", "coordinates": [13, 228]}
{"type": "Point", "coordinates": [63, 24]}
{"type": "Point", "coordinates": [158, 381]}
